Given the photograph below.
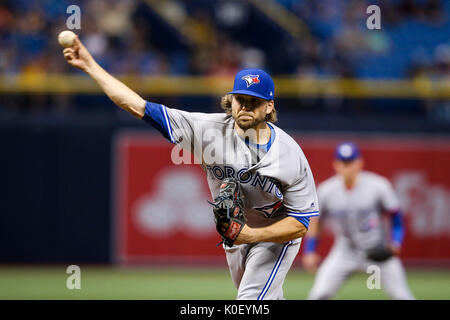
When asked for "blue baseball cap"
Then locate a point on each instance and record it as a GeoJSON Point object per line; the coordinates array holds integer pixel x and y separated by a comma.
{"type": "Point", "coordinates": [347, 151]}
{"type": "Point", "coordinates": [254, 82]}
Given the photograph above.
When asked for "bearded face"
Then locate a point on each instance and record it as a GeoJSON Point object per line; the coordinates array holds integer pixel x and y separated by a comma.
{"type": "Point", "coordinates": [249, 111]}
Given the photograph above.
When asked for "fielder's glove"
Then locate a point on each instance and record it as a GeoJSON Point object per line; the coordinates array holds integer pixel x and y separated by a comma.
{"type": "Point", "coordinates": [228, 211]}
{"type": "Point", "coordinates": [379, 253]}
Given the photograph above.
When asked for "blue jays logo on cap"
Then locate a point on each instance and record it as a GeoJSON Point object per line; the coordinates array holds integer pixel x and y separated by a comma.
{"type": "Point", "coordinates": [254, 82]}
{"type": "Point", "coordinates": [251, 79]}
{"type": "Point", "coordinates": [347, 151]}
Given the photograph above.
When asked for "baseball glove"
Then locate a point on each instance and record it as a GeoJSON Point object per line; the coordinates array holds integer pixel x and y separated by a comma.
{"type": "Point", "coordinates": [379, 253]}
{"type": "Point", "coordinates": [228, 211]}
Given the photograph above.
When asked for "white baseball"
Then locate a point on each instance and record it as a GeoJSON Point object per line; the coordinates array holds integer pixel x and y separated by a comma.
{"type": "Point", "coordinates": [66, 38]}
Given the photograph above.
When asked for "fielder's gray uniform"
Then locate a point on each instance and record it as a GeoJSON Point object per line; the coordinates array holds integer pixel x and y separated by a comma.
{"type": "Point", "coordinates": [358, 226]}
{"type": "Point", "coordinates": [277, 184]}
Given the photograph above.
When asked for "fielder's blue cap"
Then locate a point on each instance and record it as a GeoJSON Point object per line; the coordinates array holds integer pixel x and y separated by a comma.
{"type": "Point", "coordinates": [347, 151]}
{"type": "Point", "coordinates": [254, 82]}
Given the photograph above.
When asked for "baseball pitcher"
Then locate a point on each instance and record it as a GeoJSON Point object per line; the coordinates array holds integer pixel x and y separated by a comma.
{"type": "Point", "coordinates": [356, 203]}
{"type": "Point", "coordinates": [261, 184]}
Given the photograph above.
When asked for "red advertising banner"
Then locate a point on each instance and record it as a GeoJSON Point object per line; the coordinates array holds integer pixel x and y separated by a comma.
{"type": "Point", "coordinates": [162, 214]}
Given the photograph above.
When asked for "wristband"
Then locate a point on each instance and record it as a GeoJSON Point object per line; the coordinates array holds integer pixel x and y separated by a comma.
{"type": "Point", "coordinates": [311, 245]}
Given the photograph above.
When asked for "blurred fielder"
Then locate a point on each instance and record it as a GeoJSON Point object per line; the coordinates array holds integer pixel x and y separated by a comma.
{"type": "Point", "coordinates": [278, 197]}
{"type": "Point", "coordinates": [355, 201]}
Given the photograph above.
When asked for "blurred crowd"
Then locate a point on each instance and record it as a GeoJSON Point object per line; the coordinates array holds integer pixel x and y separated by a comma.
{"type": "Point", "coordinates": [337, 41]}
{"type": "Point", "coordinates": [341, 44]}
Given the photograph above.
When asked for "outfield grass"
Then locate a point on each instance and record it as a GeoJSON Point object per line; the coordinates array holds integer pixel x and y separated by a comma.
{"type": "Point", "coordinates": [180, 284]}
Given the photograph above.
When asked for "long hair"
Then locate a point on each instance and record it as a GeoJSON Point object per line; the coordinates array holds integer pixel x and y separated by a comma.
{"type": "Point", "coordinates": [225, 103]}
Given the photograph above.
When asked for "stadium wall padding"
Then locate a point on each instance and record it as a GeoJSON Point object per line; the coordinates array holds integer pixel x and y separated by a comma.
{"type": "Point", "coordinates": [55, 194]}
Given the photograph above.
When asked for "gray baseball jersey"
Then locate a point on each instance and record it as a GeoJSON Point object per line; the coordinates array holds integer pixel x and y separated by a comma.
{"type": "Point", "coordinates": [356, 214]}
{"type": "Point", "coordinates": [282, 176]}
{"type": "Point", "coordinates": [279, 183]}
{"type": "Point", "coordinates": [356, 218]}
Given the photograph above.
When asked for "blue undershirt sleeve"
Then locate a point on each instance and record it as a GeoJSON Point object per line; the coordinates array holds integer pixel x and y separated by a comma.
{"type": "Point", "coordinates": [397, 232]}
{"type": "Point", "coordinates": [156, 115]}
{"type": "Point", "coordinates": [304, 220]}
